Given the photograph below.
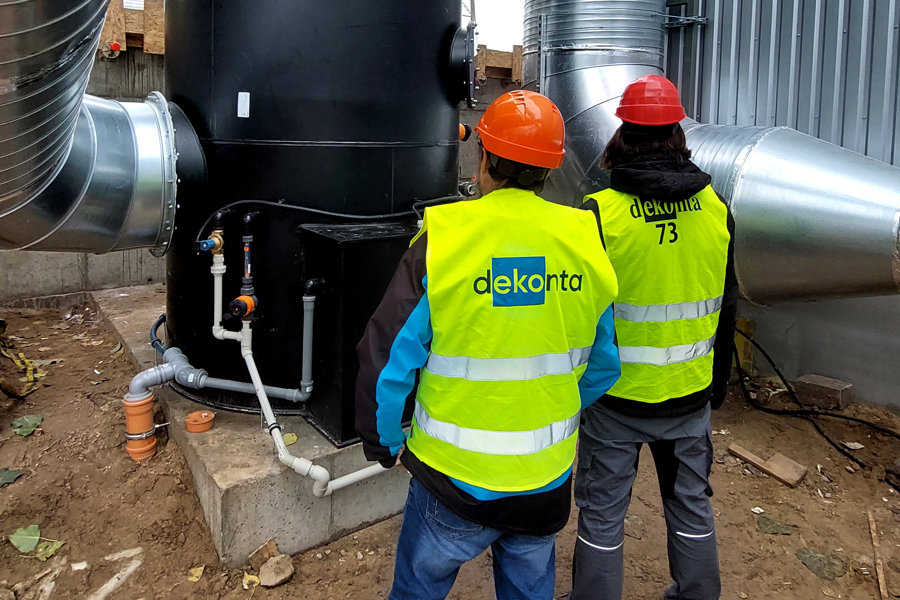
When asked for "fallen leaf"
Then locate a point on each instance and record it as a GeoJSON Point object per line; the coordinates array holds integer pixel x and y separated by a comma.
{"type": "Point", "coordinates": [196, 573]}
{"type": "Point", "coordinates": [25, 539]}
{"type": "Point", "coordinates": [60, 326]}
{"type": "Point", "coordinates": [26, 425]}
{"type": "Point", "coordinates": [771, 526]}
{"type": "Point", "coordinates": [99, 381]}
{"type": "Point", "coordinates": [854, 445]}
{"type": "Point", "coordinates": [7, 476]}
{"type": "Point", "coordinates": [249, 581]}
{"type": "Point", "coordinates": [46, 549]}
{"type": "Point", "coordinates": [116, 349]}
{"type": "Point", "coordinates": [46, 362]}
{"type": "Point", "coordinates": [290, 438]}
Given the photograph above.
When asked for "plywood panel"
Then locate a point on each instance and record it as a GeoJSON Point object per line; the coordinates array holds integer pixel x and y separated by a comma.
{"type": "Point", "coordinates": [154, 27]}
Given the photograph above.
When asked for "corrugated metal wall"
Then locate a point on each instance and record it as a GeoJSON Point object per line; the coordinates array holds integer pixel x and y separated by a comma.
{"type": "Point", "coordinates": [828, 68]}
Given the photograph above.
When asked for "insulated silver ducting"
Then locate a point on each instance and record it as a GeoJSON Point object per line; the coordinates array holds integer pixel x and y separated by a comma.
{"type": "Point", "coordinates": [77, 173]}
{"type": "Point", "coordinates": [582, 54]}
{"type": "Point", "coordinates": [813, 220]}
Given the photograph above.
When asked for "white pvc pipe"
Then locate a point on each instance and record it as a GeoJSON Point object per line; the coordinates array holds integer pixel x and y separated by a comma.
{"type": "Point", "coordinates": [218, 271]}
{"type": "Point", "coordinates": [323, 485]}
{"type": "Point", "coordinates": [354, 477]}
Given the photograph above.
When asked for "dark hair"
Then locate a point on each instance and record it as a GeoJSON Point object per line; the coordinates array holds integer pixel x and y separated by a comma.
{"type": "Point", "coordinates": [630, 141]}
{"type": "Point", "coordinates": [509, 173]}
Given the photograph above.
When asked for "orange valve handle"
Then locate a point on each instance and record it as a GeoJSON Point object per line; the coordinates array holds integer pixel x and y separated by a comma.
{"type": "Point", "coordinates": [242, 306]}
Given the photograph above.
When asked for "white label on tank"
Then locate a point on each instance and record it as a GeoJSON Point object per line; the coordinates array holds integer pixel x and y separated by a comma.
{"type": "Point", "coordinates": [243, 108]}
{"type": "Point", "coordinates": [133, 4]}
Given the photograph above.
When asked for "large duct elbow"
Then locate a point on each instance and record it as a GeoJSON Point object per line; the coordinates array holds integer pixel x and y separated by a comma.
{"type": "Point", "coordinates": [813, 220]}
{"type": "Point", "coordinates": [77, 173]}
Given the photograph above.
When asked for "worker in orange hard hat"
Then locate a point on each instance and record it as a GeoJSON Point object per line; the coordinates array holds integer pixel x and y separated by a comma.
{"type": "Point", "coordinates": [502, 305]}
{"type": "Point", "coordinates": [670, 240]}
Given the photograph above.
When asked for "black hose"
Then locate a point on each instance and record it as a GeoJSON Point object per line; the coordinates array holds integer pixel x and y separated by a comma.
{"type": "Point", "coordinates": [805, 412]}
{"type": "Point", "coordinates": [315, 211]}
{"type": "Point", "coordinates": [154, 340]}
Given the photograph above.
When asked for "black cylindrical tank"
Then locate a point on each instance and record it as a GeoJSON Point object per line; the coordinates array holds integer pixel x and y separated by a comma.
{"type": "Point", "coordinates": [350, 107]}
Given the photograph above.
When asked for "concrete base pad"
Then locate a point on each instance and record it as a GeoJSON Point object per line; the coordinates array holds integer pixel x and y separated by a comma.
{"type": "Point", "coordinates": [247, 495]}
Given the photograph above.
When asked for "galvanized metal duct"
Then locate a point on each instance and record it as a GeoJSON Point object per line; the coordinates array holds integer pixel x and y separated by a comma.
{"type": "Point", "coordinates": [90, 176]}
{"type": "Point", "coordinates": [813, 220]}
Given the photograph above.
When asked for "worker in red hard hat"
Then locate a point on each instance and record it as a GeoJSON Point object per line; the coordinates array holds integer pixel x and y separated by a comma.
{"type": "Point", "coordinates": [502, 305]}
{"type": "Point", "coordinates": [670, 239]}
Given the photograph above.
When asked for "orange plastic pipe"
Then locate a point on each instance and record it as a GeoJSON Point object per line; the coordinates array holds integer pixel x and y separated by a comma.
{"type": "Point", "coordinates": [139, 419]}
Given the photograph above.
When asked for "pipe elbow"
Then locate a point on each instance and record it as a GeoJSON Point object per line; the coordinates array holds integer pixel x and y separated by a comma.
{"type": "Point", "coordinates": [140, 385]}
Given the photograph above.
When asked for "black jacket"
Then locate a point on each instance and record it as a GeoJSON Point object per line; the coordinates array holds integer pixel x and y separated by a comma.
{"type": "Point", "coordinates": [661, 177]}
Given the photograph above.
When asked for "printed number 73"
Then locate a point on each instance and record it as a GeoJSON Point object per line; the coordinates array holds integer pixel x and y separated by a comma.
{"type": "Point", "coordinates": [662, 232]}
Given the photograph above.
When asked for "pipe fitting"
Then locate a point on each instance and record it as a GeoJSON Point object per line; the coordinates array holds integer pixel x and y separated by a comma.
{"type": "Point", "coordinates": [139, 429]}
{"type": "Point", "coordinates": [143, 381]}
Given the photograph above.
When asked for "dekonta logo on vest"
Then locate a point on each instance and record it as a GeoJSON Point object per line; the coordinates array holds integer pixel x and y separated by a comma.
{"type": "Point", "coordinates": [523, 281]}
{"type": "Point", "coordinates": [654, 210]}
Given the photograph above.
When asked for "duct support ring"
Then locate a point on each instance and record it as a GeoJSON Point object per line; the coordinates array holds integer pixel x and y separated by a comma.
{"type": "Point", "coordinates": [170, 183]}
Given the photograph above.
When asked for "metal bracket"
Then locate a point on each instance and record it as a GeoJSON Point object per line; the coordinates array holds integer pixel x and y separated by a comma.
{"type": "Point", "coordinates": [677, 22]}
{"type": "Point", "coordinates": [146, 434]}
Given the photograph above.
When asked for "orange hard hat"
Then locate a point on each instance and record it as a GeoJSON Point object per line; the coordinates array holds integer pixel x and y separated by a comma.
{"type": "Point", "coordinates": [651, 100]}
{"type": "Point", "coordinates": [524, 127]}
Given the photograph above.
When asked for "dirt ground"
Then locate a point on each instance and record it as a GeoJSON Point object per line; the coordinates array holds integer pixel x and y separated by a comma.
{"type": "Point", "coordinates": [134, 531]}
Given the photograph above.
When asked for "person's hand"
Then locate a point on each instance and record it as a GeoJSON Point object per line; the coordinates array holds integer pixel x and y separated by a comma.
{"type": "Point", "coordinates": [398, 463]}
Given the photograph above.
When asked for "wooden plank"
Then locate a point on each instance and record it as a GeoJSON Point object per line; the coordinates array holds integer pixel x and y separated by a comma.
{"type": "Point", "coordinates": [497, 72]}
{"type": "Point", "coordinates": [879, 564]}
{"type": "Point", "coordinates": [785, 470]}
{"type": "Point", "coordinates": [782, 468]}
{"type": "Point", "coordinates": [134, 21]}
{"type": "Point", "coordinates": [154, 27]}
{"type": "Point", "coordinates": [746, 456]}
{"type": "Point", "coordinates": [114, 26]}
{"type": "Point", "coordinates": [498, 58]}
{"type": "Point", "coordinates": [134, 40]}
{"type": "Point", "coordinates": [479, 62]}
{"type": "Point", "coordinates": [517, 64]}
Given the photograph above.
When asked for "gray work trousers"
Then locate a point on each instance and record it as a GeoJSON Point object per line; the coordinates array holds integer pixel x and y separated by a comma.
{"type": "Point", "coordinates": [609, 447]}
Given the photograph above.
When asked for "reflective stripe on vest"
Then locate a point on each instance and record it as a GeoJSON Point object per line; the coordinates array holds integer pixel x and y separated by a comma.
{"type": "Point", "coordinates": [651, 355]}
{"type": "Point", "coordinates": [667, 312]}
{"type": "Point", "coordinates": [514, 312]}
{"type": "Point", "coordinates": [508, 369]}
{"type": "Point", "coordinates": [507, 443]}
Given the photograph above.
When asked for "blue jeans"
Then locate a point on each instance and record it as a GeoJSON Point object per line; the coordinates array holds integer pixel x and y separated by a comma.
{"type": "Point", "coordinates": [434, 543]}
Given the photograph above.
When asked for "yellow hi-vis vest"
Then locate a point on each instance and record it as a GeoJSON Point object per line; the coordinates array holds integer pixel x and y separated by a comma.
{"type": "Point", "coordinates": [670, 261]}
{"type": "Point", "coordinates": [516, 286]}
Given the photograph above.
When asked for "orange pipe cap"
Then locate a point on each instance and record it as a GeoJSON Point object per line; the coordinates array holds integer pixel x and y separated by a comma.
{"type": "Point", "coordinates": [200, 421]}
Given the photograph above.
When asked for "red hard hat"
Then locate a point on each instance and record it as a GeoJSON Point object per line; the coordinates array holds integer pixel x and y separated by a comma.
{"type": "Point", "coordinates": [524, 127]}
{"type": "Point", "coordinates": [651, 100]}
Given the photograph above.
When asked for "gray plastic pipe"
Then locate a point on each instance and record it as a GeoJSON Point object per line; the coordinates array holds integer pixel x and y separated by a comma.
{"type": "Point", "coordinates": [813, 220]}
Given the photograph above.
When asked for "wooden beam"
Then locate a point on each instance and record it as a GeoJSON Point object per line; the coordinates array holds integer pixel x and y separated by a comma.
{"type": "Point", "coordinates": [114, 26]}
{"type": "Point", "coordinates": [154, 27]}
{"type": "Point", "coordinates": [517, 64]}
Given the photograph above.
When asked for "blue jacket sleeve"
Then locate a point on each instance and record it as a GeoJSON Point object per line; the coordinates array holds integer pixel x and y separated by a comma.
{"type": "Point", "coordinates": [603, 368]}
